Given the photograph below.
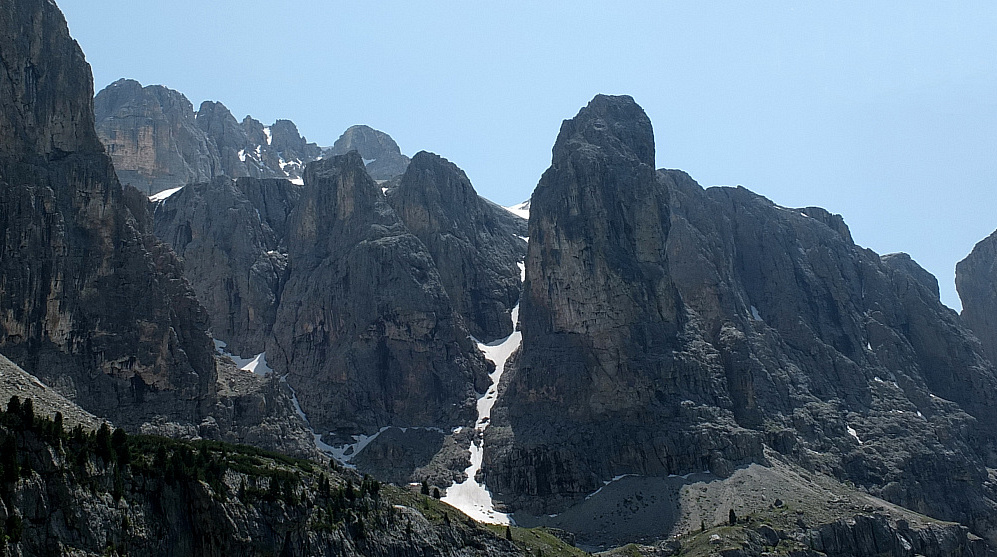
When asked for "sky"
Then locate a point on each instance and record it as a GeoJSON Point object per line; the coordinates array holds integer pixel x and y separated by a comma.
{"type": "Point", "coordinates": [883, 112]}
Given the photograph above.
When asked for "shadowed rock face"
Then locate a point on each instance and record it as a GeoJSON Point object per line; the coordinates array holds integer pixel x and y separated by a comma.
{"type": "Point", "coordinates": [230, 234]}
{"type": "Point", "coordinates": [670, 329]}
{"type": "Point", "coordinates": [92, 303]}
{"type": "Point", "coordinates": [976, 281]}
{"type": "Point", "coordinates": [475, 244]}
{"type": "Point", "coordinates": [158, 142]}
{"type": "Point", "coordinates": [382, 157]}
{"type": "Point", "coordinates": [365, 328]}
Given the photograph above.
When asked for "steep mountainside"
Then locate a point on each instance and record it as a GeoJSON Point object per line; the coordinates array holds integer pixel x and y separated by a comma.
{"type": "Point", "coordinates": [382, 157]}
{"type": "Point", "coordinates": [669, 329]}
{"type": "Point", "coordinates": [476, 244]}
{"type": "Point", "coordinates": [365, 327]}
{"type": "Point", "coordinates": [91, 302]}
{"type": "Point", "coordinates": [158, 142]}
{"type": "Point", "coordinates": [230, 234]}
{"type": "Point", "coordinates": [976, 281]}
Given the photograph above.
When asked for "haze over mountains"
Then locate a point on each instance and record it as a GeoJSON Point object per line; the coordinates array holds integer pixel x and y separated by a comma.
{"type": "Point", "coordinates": [689, 356]}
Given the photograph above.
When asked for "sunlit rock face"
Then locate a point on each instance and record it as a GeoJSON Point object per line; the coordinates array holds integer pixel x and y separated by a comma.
{"type": "Point", "coordinates": [158, 142]}
{"type": "Point", "coordinates": [669, 329]}
{"type": "Point", "coordinates": [976, 281]}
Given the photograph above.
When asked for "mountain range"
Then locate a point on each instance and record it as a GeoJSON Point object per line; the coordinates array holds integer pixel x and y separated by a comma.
{"type": "Point", "coordinates": [639, 360]}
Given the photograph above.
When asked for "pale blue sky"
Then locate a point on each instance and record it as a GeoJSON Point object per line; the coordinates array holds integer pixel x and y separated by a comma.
{"type": "Point", "coordinates": [885, 112]}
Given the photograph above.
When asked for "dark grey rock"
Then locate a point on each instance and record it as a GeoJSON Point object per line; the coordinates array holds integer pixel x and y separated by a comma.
{"type": "Point", "coordinates": [93, 304]}
{"type": "Point", "coordinates": [670, 329]}
{"type": "Point", "coordinates": [365, 328]}
{"type": "Point", "coordinates": [382, 157]}
{"type": "Point", "coordinates": [230, 234]}
{"type": "Point", "coordinates": [476, 245]}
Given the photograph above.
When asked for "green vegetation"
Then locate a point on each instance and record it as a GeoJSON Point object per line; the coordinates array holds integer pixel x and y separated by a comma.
{"type": "Point", "coordinates": [538, 541]}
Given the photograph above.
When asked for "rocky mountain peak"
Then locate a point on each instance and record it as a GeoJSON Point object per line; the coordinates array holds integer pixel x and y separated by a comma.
{"type": "Point", "coordinates": [976, 281]}
{"type": "Point", "coordinates": [157, 142]}
{"type": "Point", "coordinates": [614, 124]}
{"type": "Point", "coordinates": [383, 157]}
{"type": "Point", "coordinates": [476, 244]}
{"type": "Point", "coordinates": [370, 143]}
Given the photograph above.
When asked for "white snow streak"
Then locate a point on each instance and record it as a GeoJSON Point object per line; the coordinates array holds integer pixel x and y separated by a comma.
{"type": "Point", "coordinates": [471, 497]}
{"type": "Point", "coordinates": [161, 196]}
{"type": "Point", "coordinates": [853, 433]}
{"type": "Point", "coordinates": [266, 132]}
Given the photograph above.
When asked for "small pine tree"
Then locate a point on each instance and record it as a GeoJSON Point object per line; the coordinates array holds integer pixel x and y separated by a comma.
{"type": "Point", "coordinates": [27, 414]}
{"type": "Point", "coordinates": [425, 487]}
{"type": "Point", "coordinates": [508, 532]}
{"type": "Point", "coordinates": [436, 493]}
{"type": "Point", "coordinates": [103, 440]}
{"type": "Point", "coordinates": [732, 517]}
{"type": "Point", "coordinates": [119, 442]}
{"type": "Point", "coordinates": [58, 424]}
{"type": "Point", "coordinates": [14, 406]}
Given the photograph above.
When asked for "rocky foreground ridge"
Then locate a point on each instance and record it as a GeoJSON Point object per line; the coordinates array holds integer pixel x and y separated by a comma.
{"type": "Point", "coordinates": [95, 493]}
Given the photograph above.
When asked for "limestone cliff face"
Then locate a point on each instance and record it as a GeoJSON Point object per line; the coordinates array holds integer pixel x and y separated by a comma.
{"type": "Point", "coordinates": [670, 329]}
{"type": "Point", "coordinates": [41, 61]}
{"type": "Point", "coordinates": [382, 156]}
{"type": "Point", "coordinates": [976, 281]}
{"type": "Point", "coordinates": [365, 327]}
{"type": "Point", "coordinates": [91, 302]}
{"type": "Point", "coordinates": [152, 137]}
{"type": "Point", "coordinates": [158, 142]}
{"type": "Point", "coordinates": [230, 234]}
{"type": "Point", "coordinates": [475, 244]}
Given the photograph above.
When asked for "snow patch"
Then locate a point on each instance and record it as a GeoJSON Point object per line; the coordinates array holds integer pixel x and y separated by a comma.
{"type": "Point", "coordinates": [868, 346]}
{"type": "Point", "coordinates": [754, 314]}
{"type": "Point", "coordinates": [257, 364]}
{"type": "Point", "coordinates": [161, 196]}
{"type": "Point", "coordinates": [242, 155]}
{"type": "Point", "coordinates": [853, 433]}
{"type": "Point", "coordinates": [266, 132]}
{"type": "Point", "coordinates": [368, 161]}
{"type": "Point", "coordinates": [298, 181]}
{"type": "Point", "coordinates": [297, 405]}
{"type": "Point", "coordinates": [520, 209]}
